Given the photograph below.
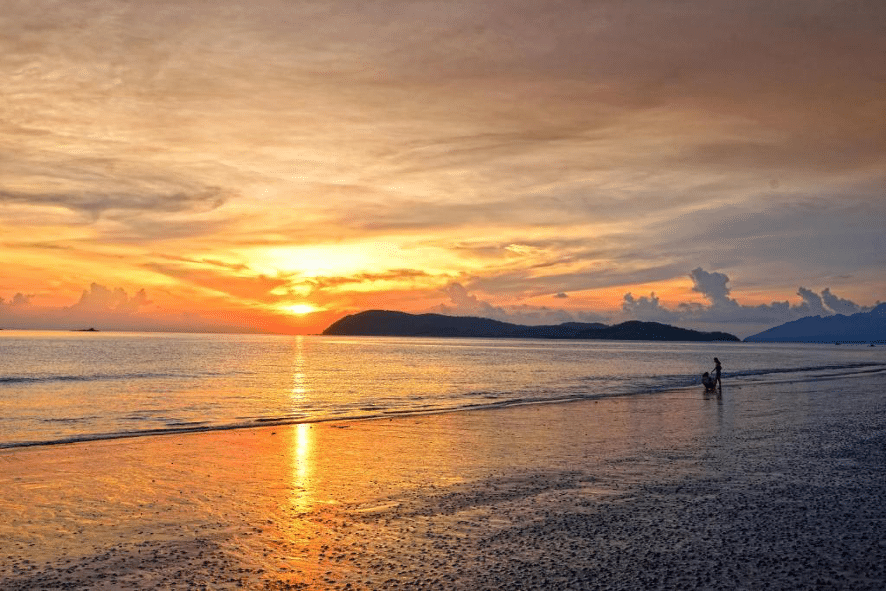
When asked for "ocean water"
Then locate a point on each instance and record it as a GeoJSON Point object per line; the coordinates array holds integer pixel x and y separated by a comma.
{"type": "Point", "coordinates": [58, 387]}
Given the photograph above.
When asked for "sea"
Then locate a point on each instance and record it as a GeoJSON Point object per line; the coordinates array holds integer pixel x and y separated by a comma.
{"type": "Point", "coordinates": [64, 387]}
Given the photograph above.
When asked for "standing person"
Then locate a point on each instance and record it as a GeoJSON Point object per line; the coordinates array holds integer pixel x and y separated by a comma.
{"type": "Point", "coordinates": [718, 372]}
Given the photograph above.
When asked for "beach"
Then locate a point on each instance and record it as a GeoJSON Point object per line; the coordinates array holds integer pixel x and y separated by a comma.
{"type": "Point", "coordinates": [777, 485]}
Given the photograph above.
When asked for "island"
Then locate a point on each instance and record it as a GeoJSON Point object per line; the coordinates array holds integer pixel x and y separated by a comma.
{"type": "Point", "coordinates": [402, 324]}
{"type": "Point", "coordinates": [862, 327]}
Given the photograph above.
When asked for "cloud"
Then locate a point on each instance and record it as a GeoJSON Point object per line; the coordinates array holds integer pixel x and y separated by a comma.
{"type": "Point", "coordinates": [99, 300]}
{"type": "Point", "coordinates": [560, 295]}
{"type": "Point", "coordinates": [463, 303]}
{"type": "Point", "coordinates": [95, 204]}
{"type": "Point", "coordinates": [98, 306]}
{"type": "Point", "coordinates": [114, 309]}
{"type": "Point", "coordinates": [134, 213]}
{"type": "Point", "coordinates": [576, 274]}
{"type": "Point", "coordinates": [236, 267]}
{"type": "Point", "coordinates": [254, 288]}
{"type": "Point", "coordinates": [839, 305]}
{"type": "Point", "coordinates": [812, 305]}
{"type": "Point", "coordinates": [20, 299]}
{"type": "Point", "coordinates": [712, 285]}
{"type": "Point", "coordinates": [647, 308]}
{"type": "Point", "coordinates": [725, 311]}
{"type": "Point", "coordinates": [392, 275]}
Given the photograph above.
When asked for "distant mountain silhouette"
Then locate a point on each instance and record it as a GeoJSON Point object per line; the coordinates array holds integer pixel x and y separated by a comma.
{"type": "Point", "coordinates": [401, 324]}
{"type": "Point", "coordinates": [862, 327]}
{"type": "Point", "coordinates": [635, 330]}
{"type": "Point", "coordinates": [388, 323]}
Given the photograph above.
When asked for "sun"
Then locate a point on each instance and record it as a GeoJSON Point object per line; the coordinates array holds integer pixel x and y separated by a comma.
{"type": "Point", "coordinates": [300, 309]}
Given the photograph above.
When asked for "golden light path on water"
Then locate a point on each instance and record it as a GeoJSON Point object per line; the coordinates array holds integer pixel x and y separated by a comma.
{"type": "Point", "coordinates": [302, 436]}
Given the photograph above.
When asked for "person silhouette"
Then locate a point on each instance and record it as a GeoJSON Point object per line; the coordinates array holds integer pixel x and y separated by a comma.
{"type": "Point", "coordinates": [718, 372]}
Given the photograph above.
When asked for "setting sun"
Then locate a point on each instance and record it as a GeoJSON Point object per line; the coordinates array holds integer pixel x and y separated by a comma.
{"type": "Point", "coordinates": [300, 309]}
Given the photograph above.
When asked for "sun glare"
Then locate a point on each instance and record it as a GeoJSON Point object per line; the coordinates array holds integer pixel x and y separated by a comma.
{"type": "Point", "coordinates": [300, 309]}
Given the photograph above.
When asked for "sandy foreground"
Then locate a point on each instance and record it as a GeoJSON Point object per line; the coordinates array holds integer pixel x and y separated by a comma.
{"type": "Point", "coordinates": [772, 486]}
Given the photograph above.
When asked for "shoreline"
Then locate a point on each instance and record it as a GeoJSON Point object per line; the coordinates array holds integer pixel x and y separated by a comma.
{"type": "Point", "coordinates": [779, 484]}
{"type": "Point", "coordinates": [284, 422]}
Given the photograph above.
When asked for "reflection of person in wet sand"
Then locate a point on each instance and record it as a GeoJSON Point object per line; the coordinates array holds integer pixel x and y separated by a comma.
{"type": "Point", "coordinates": [718, 372]}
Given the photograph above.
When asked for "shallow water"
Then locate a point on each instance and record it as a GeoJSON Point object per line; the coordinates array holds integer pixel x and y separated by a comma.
{"type": "Point", "coordinates": [57, 387]}
{"type": "Point", "coordinates": [776, 485]}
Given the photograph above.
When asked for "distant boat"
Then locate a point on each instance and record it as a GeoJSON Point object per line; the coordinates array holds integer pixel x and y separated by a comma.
{"type": "Point", "coordinates": [86, 330]}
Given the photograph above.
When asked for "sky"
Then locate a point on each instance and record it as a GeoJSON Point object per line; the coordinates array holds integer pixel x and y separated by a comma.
{"type": "Point", "coordinates": [270, 166]}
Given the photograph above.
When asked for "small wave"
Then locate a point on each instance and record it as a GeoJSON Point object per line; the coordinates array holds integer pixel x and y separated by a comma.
{"type": "Point", "coordinates": [68, 419]}
{"type": "Point", "coordinates": [18, 380]}
{"type": "Point", "coordinates": [118, 435]}
{"type": "Point", "coordinates": [844, 368]}
{"type": "Point", "coordinates": [281, 418]}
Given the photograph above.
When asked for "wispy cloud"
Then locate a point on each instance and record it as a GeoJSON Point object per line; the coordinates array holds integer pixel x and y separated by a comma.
{"type": "Point", "coordinates": [96, 204]}
{"type": "Point", "coordinates": [463, 303]}
{"type": "Point", "coordinates": [250, 287]}
{"type": "Point", "coordinates": [393, 275]}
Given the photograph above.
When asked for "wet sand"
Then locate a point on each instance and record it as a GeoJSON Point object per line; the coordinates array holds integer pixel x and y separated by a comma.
{"type": "Point", "coordinates": [771, 486]}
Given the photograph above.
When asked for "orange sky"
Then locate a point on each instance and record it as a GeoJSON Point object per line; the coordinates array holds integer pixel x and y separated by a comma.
{"type": "Point", "coordinates": [271, 165]}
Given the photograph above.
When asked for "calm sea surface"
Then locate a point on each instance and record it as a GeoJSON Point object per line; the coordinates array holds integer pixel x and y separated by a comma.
{"type": "Point", "coordinates": [58, 387]}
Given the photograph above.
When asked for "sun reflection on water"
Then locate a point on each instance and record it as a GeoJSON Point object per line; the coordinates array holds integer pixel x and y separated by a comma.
{"type": "Point", "coordinates": [299, 391]}
{"type": "Point", "coordinates": [303, 467]}
{"type": "Point", "coordinates": [302, 444]}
